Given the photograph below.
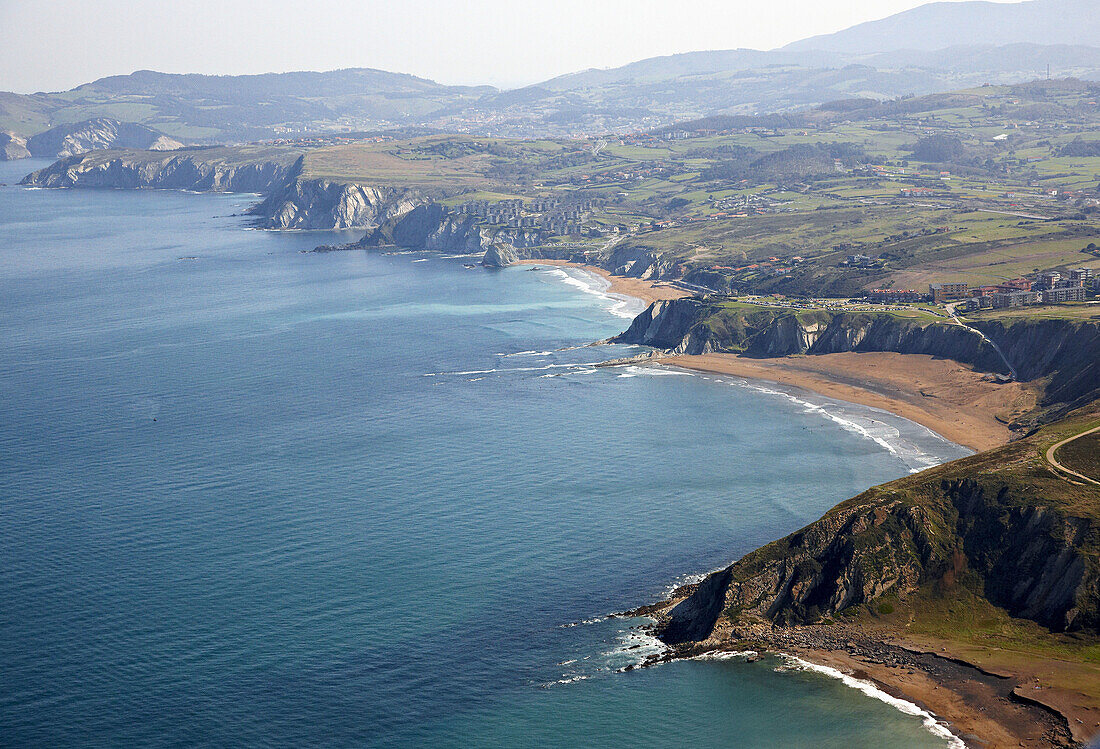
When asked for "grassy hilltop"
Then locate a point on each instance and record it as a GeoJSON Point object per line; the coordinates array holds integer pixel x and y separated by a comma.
{"type": "Point", "coordinates": [979, 186]}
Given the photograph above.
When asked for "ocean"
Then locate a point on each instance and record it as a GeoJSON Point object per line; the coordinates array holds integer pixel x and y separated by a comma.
{"type": "Point", "coordinates": [251, 495]}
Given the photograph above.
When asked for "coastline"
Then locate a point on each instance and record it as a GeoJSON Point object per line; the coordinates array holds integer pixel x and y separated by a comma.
{"type": "Point", "coordinates": [951, 399]}
{"type": "Point", "coordinates": [642, 289]}
{"type": "Point", "coordinates": [948, 398]}
{"type": "Point", "coordinates": [958, 700]}
{"type": "Point", "coordinates": [979, 705]}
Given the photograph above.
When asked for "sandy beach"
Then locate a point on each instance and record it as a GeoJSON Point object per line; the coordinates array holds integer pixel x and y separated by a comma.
{"type": "Point", "coordinates": [647, 291]}
{"type": "Point", "coordinates": [985, 705]}
{"type": "Point", "coordinates": [981, 702]}
{"type": "Point", "coordinates": [949, 398]}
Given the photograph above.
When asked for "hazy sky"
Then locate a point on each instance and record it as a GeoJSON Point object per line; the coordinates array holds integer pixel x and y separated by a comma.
{"type": "Point", "coordinates": [49, 45]}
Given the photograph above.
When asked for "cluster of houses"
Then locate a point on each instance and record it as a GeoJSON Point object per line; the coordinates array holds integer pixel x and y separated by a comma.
{"type": "Point", "coordinates": [548, 214]}
{"type": "Point", "coordinates": [1048, 287]}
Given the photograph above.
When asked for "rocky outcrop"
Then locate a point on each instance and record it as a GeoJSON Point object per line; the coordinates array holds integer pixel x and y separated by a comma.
{"type": "Point", "coordinates": [292, 202]}
{"type": "Point", "coordinates": [1023, 540]}
{"type": "Point", "coordinates": [324, 204]}
{"type": "Point", "coordinates": [693, 326]}
{"type": "Point", "coordinates": [101, 133]}
{"type": "Point", "coordinates": [199, 170]}
{"type": "Point", "coordinates": [638, 262]}
{"type": "Point", "coordinates": [434, 227]}
{"type": "Point", "coordinates": [672, 325]}
{"type": "Point", "coordinates": [13, 147]}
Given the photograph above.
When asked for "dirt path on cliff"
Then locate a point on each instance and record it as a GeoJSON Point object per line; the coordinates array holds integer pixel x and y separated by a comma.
{"type": "Point", "coordinates": [1054, 461]}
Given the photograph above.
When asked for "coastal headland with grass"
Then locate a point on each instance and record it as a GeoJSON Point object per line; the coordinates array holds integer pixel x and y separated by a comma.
{"type": "Point", "coordinates": [902, 255]}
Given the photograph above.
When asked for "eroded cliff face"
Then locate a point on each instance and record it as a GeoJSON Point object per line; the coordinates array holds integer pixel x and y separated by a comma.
{"type": "Point", "coordinates": [177, 171]}
{"type": "Point", "coordinates": [13, 147]}
{"type": "Point", "coordinates": [433, 227]}
{"type": "Point", "coordinates": [639, 262]}
{"type": "Point", "coordinates": [1028, 555]}
{"type": "Point", "coordinates": [674, 326]}
{"type": "Point", "coordinates": [97, 134]}
{"type": "Point", "coordinates": [324, 204]}
{"type": "Point", "coordinates": [292, 202]}
{"type": "Point", "coordinates": [1065, 351]}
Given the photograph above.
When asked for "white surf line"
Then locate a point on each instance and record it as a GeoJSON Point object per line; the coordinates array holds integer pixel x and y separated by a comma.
{"type": "Point", "coordinates": [577, 365]}
{"type": "Point", "coordinates": [934, 725]}
{"type": "Point", "coordinates": [726, 655]}
{"type": "Point", "coordinates": [528, 353]}
{"type": "Point", "coordinates": [916, 459]}
{"type": "Point", "coordinates": [624, 306]}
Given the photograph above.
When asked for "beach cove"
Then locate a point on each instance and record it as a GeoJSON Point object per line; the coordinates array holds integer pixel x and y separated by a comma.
{"type": "Point", "coordinates": [213, 435]}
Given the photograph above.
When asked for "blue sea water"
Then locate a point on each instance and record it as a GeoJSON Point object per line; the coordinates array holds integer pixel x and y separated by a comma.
{"type": "Point", "coordinates": [254, 496]}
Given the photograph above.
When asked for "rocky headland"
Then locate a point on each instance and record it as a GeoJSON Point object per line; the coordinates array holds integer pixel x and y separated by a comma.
{"type": "Point", "coordinates": [291, 201]}
{"type": "Point", "coordinates": [989, 563]}
{"type": "Point", "coordinates": [973, 588]}
{"type": "Point", "coordinates": [73, 139]}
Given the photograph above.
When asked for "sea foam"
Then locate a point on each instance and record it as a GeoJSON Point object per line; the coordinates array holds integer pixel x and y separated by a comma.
{"type": "Point", "coordinates": [934, 725]}
{"type": "Point", "coordinates": [620, 305]}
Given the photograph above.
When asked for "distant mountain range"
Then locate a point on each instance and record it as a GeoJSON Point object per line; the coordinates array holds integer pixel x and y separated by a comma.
{"type": "Point", "coordinates": [936, 47]}
{"type": "Point", "coordinates": [938, 25]}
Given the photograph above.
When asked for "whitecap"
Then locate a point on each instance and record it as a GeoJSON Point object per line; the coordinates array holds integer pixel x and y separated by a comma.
{"type": "Point", "coordinates": [626, 307]}
{"type": "Point", "coordinates": [865, 421]}
{"type": "Point", "coordinates": [594, 620]}
{"type": "Point", "coordinates": [529, 353]}
{"type": "Point", "coordinates": [934, 725]}
{"type": "Point", "coordinates": [726, 655]}
{"type": "Point", "coordinates": [566, 680]}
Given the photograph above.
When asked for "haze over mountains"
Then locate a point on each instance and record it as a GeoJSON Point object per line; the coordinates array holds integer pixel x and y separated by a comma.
{"type": "Point", "coordinates": [936, 47]}
{"type": "Point", "coordinates": [938, 25]}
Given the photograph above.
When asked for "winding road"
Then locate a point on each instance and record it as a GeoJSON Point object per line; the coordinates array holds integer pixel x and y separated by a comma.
{"type": "Point", "coordinates": [1051, 459]}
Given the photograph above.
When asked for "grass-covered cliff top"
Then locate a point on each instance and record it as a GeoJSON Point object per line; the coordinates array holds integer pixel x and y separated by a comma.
{"type": "Point", "coordinates": [981, 186]}
{"type": "Point", "coordinates": [1020, 468]}
{"type": "Point", "coordinates": [227, 155]}
{"type": "Point", "coordinates": [941, 556]}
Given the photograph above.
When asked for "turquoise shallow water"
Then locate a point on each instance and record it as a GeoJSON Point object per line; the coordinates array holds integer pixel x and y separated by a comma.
{"type": "Point", "coordinates": [255, 496]}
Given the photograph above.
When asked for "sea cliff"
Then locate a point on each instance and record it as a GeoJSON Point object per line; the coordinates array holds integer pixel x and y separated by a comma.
{"type": "Point", "coordinates": [71, 139]}
{"type": "Point", "coordinates": [1064, 353]}
{"type": "Point", "coordinates": [973, 588]}
{"type": "Point", "coordinates": [200, 170]}
{"type": "Point", "coordinates": [299, 203]}
{"type": "Point", "coordinates": [291, 201]}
